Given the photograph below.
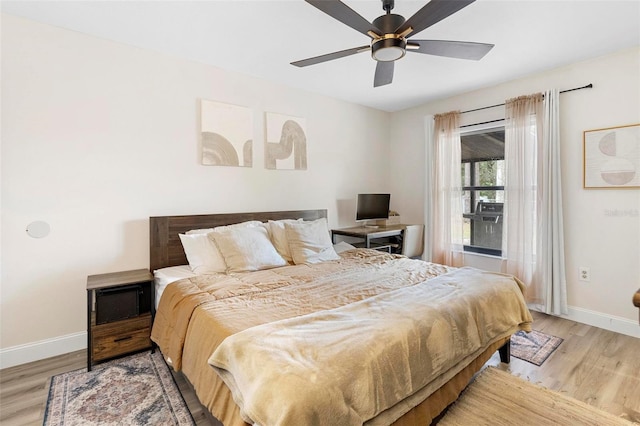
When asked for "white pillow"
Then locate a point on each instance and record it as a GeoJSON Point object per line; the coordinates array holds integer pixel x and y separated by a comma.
{"type": "Point", "coordinates": [199, 231]}
{"type": "Point", "coordinates": [203, 256]}
{"type": "Point", "coordinates": [279, 237]}
{"type": "Point", "coordinates": [309, 242]}
{"type": "Point", "coordinates": [202, 253]}
{"type": "Point", "coordinates": [246, 224]}
{"type": "Point", "coordinates": [342, 246]}
{"type": "Point", "coordinates": [247, 249]}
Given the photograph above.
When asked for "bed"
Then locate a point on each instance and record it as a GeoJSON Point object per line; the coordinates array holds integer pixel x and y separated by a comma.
{"type": "Point", "coordinates": [362, 338]}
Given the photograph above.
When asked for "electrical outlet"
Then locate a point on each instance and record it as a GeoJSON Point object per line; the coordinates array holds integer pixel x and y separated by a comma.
{"type": "Point", "coordinates": [584, 273]}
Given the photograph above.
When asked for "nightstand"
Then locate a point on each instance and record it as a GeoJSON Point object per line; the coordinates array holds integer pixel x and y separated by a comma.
{"type": "Point", "coordinates": [120, 309]}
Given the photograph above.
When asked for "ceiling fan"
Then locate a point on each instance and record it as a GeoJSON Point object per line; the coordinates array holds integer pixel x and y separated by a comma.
{"type": "Point", "coordinates": [390, 35]}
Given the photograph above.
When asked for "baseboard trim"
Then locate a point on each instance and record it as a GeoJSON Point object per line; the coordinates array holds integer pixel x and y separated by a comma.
{"type": "Point", "coordinates": [600, 320]}
{"type": "Point", "coordinates": [22, 354]}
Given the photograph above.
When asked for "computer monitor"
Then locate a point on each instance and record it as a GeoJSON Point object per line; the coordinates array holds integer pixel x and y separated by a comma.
{"type": "Point", "coordinates": [372, 207]}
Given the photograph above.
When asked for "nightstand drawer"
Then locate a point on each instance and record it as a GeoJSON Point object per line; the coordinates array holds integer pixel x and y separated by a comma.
{"type": "Point", "coordinates": [120, 337]}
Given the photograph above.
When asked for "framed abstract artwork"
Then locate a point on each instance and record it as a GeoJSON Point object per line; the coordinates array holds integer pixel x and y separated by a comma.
{"type": "Point", "coordinates": [226, 133]}
{"type": "Point", "coordinates": [285, 142]}
{"type": "Point", "coordinates": [612, 157]}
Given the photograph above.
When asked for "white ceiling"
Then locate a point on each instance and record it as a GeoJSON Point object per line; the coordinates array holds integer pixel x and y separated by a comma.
{"type": "Point", "coordinates": [262, 37]}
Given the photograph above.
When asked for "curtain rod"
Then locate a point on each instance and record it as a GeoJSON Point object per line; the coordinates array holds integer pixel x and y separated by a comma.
{"type": "Point", "coordinates": [588, 86]}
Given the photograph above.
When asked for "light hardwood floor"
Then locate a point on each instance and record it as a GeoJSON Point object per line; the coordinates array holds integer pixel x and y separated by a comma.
{"type": "Point", "coordinates": [593, 365]}
{"type": "Point", "coordinates": [599, 367]}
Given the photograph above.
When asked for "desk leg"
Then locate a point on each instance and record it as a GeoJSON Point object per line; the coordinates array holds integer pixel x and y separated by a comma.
{"type": "Point", "coordinates": [89, 306]}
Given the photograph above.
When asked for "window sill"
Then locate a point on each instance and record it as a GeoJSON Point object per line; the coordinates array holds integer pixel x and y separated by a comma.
{"type": "Point", "coordinates": [483, 261]}
{"type": "Point", "coordinates": [487, 255]}
{"type": "Point", "coordinates": [483, 251]}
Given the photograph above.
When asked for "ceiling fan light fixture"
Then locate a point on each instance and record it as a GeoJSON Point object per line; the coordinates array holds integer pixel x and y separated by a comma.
{"type": "Point", "coordinates": [388, 49]}
{"type": "Point", "coordinates": [389, 34]}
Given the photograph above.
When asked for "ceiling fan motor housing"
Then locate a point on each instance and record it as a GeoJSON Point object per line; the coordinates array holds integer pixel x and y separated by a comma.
{"type": "Point", "coordinates": [390, 46]}
{"type": "Point", "coordinates": [388, 23]}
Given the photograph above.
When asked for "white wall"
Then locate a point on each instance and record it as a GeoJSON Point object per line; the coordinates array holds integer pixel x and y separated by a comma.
{"type": "Point", "coordinates": [609, 245]}
{"type": "Point", "coordinates": [98, 136]}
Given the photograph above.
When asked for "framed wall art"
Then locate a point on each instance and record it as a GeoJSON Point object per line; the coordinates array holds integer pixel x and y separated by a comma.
{"type": "Point", "coordinates": [226, 133]}
{"type": "Point", "coordinates": [612, 157]}
{"type": "Point", "coordinates": [285, 142]}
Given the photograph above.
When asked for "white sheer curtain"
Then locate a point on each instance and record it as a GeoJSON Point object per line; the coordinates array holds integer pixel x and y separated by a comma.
{"type": "Point", "coordinates": [533, 233]}
{"type": "Point", "coordinates": [551, 241]}
{"type": "Point", "coordinates": [429, 173]}
{"type": "Point", "coordinates": [443, 206]}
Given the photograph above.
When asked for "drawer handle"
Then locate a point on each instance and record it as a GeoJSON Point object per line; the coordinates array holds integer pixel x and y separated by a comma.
{"type": "Point", "coordinates": [120, 339]}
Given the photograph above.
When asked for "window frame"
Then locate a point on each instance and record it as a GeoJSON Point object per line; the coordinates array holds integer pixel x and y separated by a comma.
{"type": "Point", "coordinates": [472, 187]}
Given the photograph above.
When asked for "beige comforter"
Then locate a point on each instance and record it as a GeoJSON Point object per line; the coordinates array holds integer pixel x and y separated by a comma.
{"type": "Point", "coordinates": [391, 358]}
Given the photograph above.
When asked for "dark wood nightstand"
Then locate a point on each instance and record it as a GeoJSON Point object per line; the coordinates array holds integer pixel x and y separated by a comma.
{"type": "Point", "coordinates": [120, 309]}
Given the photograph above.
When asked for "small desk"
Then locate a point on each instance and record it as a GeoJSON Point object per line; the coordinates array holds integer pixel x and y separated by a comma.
{"type": "Point", "coordinates": [370, 233]}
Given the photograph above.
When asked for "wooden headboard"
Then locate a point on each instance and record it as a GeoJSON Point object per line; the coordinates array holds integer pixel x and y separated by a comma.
{"type": "Point", "coordinates": [166, 250]}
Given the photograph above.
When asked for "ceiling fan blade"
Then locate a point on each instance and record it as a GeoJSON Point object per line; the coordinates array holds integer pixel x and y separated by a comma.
{"type": "Point", "coordinates": [330, 56]}
{"type": "Point", "coordinates": [450, 49]}
{"type": "Point", "coordinates": [384, 74]}
{"type": "Point", "coordinates": [432, 13]}
{"type": "Point", "coordinates": [343, 13]}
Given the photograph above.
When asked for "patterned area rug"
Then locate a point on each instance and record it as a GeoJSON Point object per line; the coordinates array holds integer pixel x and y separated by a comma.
{"type": "Point", "coordinates": [534, 347]}
{"type": "Point", "coordinates": [498, 398]}
{"type": "Point", "coordinates": [135, 390]}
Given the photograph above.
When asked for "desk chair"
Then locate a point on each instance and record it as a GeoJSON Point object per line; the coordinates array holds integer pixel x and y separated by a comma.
{"type": "Point", "coordinates": [413, 241]}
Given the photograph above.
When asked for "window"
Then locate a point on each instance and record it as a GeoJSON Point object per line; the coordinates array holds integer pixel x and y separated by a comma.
{"type": "Point", "coordinates": [483, 189]}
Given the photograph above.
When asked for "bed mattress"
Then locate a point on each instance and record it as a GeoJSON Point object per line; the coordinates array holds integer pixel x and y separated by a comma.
{"type": "Point", "coordinates": [196, 315]}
